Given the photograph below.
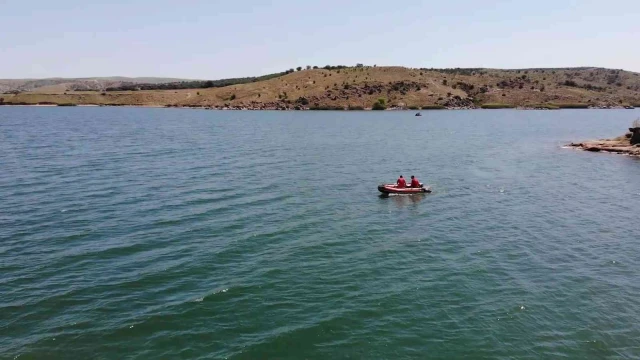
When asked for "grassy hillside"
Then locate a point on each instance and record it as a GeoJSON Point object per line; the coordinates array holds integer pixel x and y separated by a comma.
{"type": "Point", "coordinates": [361, 87]}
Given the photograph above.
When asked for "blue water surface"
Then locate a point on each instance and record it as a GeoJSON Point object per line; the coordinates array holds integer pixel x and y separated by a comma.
{"type": "Point", "coordinates": [132, 233]}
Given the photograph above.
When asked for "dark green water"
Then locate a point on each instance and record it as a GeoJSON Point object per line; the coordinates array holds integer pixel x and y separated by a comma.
{"type": "Point", "coordinates": [167, 234]}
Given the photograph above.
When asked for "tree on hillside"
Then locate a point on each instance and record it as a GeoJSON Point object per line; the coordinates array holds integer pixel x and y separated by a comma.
{"type": "Point", "coordinates": [308, 67]}
{"type": "Point", "coordinates": [315, 67]}
{"type": "Point", "coordinates": [299, 68]}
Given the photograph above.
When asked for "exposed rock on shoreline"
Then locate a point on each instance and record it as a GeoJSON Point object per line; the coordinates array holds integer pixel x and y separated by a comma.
{"type": "Point", "coordinates": [628, 144]}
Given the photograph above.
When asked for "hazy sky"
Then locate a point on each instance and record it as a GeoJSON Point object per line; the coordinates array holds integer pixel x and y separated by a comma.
{"type": "Point", "coordinates": [219, 39]}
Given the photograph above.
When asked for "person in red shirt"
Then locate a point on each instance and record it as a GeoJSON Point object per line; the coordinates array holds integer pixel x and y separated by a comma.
{"type": "Point", "coordinates": [414, 182]}
{"type": "Point", "coordinates": [402, 183]}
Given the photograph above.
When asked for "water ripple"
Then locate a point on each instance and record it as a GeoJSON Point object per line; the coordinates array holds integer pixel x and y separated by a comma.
{"type": "Point", "coordinates": [161, 233]}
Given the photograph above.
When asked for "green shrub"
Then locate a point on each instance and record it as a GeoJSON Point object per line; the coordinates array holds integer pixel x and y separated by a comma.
{"type": "Point", "coordinates": [381, 104]}
{"type": "Point", "coordinates": [545, 106]}
{"type": "Point", "coordinates": [196, 84]}
{"type": "Point", "coordinates": [233, 97]}
{"type": "Point", "coordinates": [16, 103]}
{"type": "Point", "coordinates": [497, 106]}
{"type": "Point", "coordinates": [337, 67]}
{"type": "Point", "coordinates": [67, 104]}
{"type": "Point", "coordinates": [355, 107]}
{"type": "Point", "coordinates": [326, 107]}
{"type": "Point", "coordinates": [572, 106]}
{"type": "Point", "coordinates": [433, 107]}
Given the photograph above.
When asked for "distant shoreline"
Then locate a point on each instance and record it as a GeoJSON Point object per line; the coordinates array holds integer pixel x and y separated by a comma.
{"type": "Point", "coordinates": [357, 87]}
{"type": "Point", "coordinates": [77, 105]}
{"type": "Point", "coordinates": [320, 110]}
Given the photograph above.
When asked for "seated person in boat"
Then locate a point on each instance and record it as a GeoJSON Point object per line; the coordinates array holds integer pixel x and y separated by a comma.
{"type": "Point", "coordinates": [414, 182]}
{"type": "Point", "coordinates": [402, 183]}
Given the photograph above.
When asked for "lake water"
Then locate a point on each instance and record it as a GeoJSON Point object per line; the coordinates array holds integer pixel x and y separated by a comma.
{"type": "Point", "coordinates": [131, 233]}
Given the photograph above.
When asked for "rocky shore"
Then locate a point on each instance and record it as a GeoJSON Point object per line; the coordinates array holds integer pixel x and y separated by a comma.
{"type": "Point", "coordinates": [628, 144]}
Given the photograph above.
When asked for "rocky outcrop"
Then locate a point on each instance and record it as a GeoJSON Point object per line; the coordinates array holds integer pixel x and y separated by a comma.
{"type": "Point", "coordinates": [635, 135]}
{"type": "Point", "coordinates": [457, 102]}
{"type": "Point", "coordinates": [619, 145]}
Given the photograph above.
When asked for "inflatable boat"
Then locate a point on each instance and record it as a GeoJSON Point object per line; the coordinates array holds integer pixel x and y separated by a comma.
{"type": "Point", "coordinates": [394, 189]}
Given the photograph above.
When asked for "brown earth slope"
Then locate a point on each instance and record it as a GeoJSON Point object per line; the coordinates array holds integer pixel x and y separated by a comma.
{"type": "Point", "coordinates": [360, 87]}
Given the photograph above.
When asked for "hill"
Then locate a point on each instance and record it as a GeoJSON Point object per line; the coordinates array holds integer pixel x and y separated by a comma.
{"type": "Point", "coordinates": [362, 86]}
{"type": "Point", "coordinates": [60, 85]}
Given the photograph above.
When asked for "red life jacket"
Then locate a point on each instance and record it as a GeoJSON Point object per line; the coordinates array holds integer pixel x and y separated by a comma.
{"type": "Point", "coordinates": [415, 183]}
{"type": "Point", "coordinates": [402, 183]}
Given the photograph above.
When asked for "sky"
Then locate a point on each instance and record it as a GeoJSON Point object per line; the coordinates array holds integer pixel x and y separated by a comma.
{"type": "Point", "coordinates": [235, 38]}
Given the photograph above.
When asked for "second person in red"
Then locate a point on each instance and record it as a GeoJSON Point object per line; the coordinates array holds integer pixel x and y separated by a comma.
{"type": "Point", "coordinates": [402, 183]}
{"type": "Point", "coordinates": [414, 182]}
